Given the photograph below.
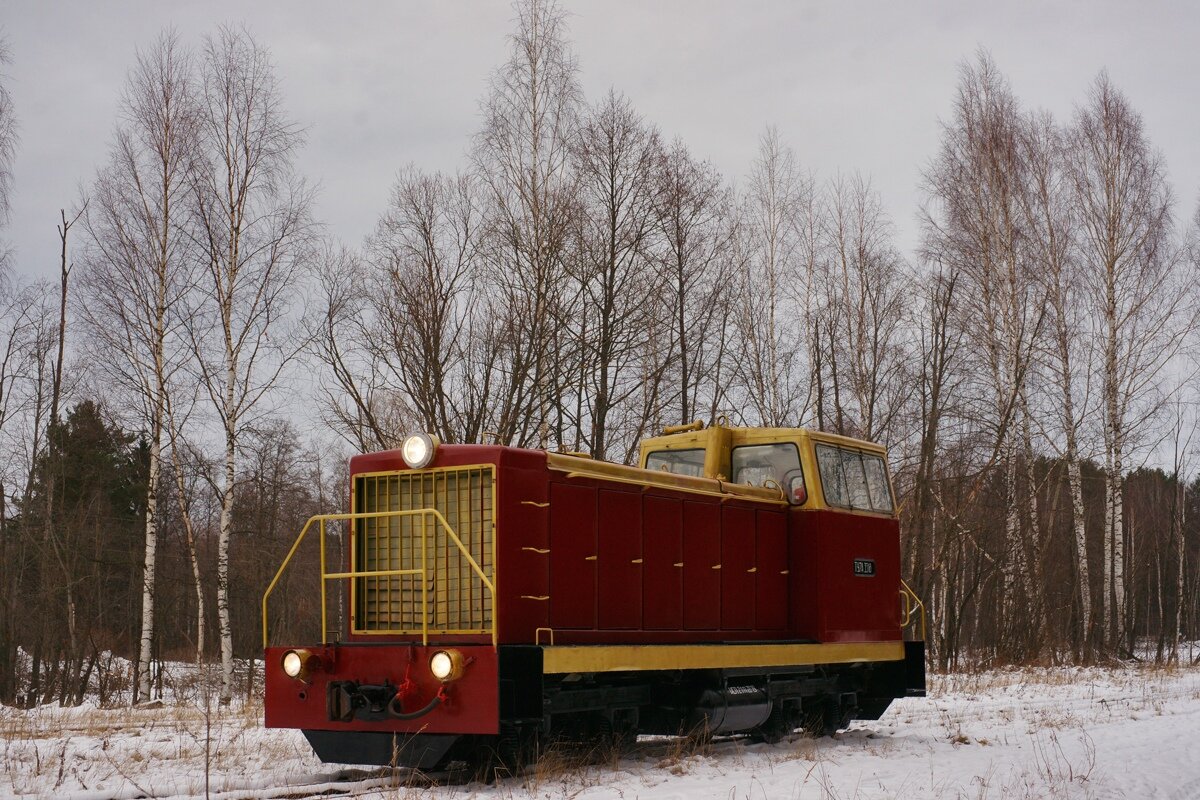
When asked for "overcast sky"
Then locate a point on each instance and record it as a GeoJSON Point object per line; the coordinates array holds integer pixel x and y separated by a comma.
{"type": "Point", "coordinates": [850, 85]}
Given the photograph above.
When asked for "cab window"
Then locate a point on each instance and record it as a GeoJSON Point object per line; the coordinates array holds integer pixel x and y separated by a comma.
{"type": "Point", "coordinates": [853, 479]}
{"type": "Point", "coordinates": [764, 464]}
{"type": "Point", "coordinates": [681, 462]}
{"type": "Point", "coordinates": [877, 483]}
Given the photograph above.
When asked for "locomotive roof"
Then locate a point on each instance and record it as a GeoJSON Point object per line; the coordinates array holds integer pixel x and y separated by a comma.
{"type": "Point", "coordinates": [757, 435]}
{"type": "Point", "coordinates": [717, 440]}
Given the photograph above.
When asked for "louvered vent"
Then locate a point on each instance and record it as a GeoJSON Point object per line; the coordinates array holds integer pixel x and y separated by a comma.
{"type": "Point", "coordinates": [451, 594]}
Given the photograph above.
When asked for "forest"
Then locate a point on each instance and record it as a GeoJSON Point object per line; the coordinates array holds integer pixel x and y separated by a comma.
{"type": "Point", "coordinates": [582, 281]}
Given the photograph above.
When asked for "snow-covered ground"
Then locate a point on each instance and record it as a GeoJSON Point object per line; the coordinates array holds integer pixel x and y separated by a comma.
{"type": "Point", "coordinates": [1047, 733]}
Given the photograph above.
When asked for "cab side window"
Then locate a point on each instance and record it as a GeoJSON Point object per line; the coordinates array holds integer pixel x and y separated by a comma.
{"type": "Point", "coordinates": [877, 483]}
{"type": "Point", "coordinates": [680, 462]}
{"type": "Point", "coordinates": [853, 479]}
{"type": "Point", "coordinates": [757, 464]}
{"type": "Point", "coordinates": [833, 476]}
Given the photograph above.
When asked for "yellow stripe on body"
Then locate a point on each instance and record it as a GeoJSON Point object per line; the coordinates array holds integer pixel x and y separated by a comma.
{"type": "Point", "coordinates": [633, 658]}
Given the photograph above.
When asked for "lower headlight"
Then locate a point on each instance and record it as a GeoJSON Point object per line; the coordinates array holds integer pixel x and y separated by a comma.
{"type": "Point", "coordinates": [446, 665]}
{"type": "Point", "coordinates": [298, 664]}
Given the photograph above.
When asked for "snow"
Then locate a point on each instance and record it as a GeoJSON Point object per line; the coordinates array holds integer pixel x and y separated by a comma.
{"type": "Point", "coordinates": [1033, 733]}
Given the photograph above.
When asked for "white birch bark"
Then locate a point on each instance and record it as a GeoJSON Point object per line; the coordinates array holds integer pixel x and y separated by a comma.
{"type": "Point", "coordinates": [226, 526]}
{"type": "Point", "coordinates": [770, 326]}
{"type": "Point", "coordinates": [136, 269]}
{"type": "Point", "coordinates": [183, 497]}
{"type": "Point", "coordinates": [1075, 482]}
{"type": "Point", "coordinates": [1180, 563]}
{"type": "Point", "coordinates": [1032, 556]}
{"type": "Point", "coordinates": [1053, 225]}
{"type": "Point", "coordinates": [1105, 610]}
{"type": "Point", "coordinates": [522, 158]}
{"type": "Point", "coordinates": [1140, 305]}
{"type": "Point", "coordinates": [254, 217]}
{"type": "Point", "coordinates": [1115, 533]}
{"type": "Point", "coordinates": [148, 572]}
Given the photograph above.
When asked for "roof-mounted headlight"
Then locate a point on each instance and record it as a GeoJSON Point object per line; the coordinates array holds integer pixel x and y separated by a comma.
{"type": "Point", "coordinates": [418, 449]}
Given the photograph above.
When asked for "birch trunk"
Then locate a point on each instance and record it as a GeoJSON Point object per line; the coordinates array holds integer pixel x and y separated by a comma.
{"type": "Point", "coordinates": [147, 636]}
{"type": "Point", "coordinates": [1014, 563]}
{"type": "Point", "coordinates": [137, 273]}
{"type": "Point", "coordinates": [1033, 559]}
{"type": "Point", "coordinates": [1104, 625]}
{"type": "Point", "coordinates": [1074, 477]}
{"type": "Point", "coordinates": [1118, 541]}
{"type": "Point", "coordinates": [226, 526]}
{"type": "Point", "coordinates": [1075, 482]}
{"type": "Point", "coordinates": [230, 413]}
{"type": "Point", "coordinates": [1115, 539]}
{"type": "Point", "coordinates": [189, 530]}
{"type": "Point", "coordinates": [1180, 563]}
{"type": "Point", "coordinates": [1124, 205]}
{"type": "Point", "coordinates": [198, 585]}
{"type": "Point", "coordinates": [254, 215]}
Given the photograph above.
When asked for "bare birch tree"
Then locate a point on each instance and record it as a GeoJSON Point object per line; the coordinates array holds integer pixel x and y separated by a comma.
{"type": "Point", "coordinates": [693, 210]}
{"type": "Point", "coordinates": [13, 328]}
{"type": "Point", "coordinates": [1128, 262]}
{"type": "Point", "coordinates": [614, 158]}
{"type": "Point", "coordinates": [26, 344]}
{"type": "Point", "coordinates": [522, 157]}
{"type": "Point", "coordinates": [8, 138]}
{"type": "Point", "coordinates": [978, 179]}
{"type": "Point", "coordinates": [928, 550]}
{"type": "Point", "coordinates": [251, 216]}
{"type": "Point", "coordinates": [423, 284]}
{"type": "Point", "coordinates": [356, 407]}
{"type": "Point", "coordinates": [179, 402]}
{"type": "Point", "coordinates": [862, 314]}
{"type": "Point", "coordinates": [138, 268]}
{"type": "Point", "coordinates": [1053, 231]}
{"type": "Point", "coordinates": [771, 328]}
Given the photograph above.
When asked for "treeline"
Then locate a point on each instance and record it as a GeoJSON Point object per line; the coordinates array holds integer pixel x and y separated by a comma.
{"type": "Point", "coordinates": [583, 281]}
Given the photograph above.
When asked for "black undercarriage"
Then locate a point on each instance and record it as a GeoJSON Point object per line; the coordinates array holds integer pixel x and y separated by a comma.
{"type": "Point", "coordinates": [766, 703]}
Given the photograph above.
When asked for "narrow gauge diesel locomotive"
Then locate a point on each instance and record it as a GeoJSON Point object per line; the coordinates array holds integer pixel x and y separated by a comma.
{"type": "Point", "coordinates": [738, 580]}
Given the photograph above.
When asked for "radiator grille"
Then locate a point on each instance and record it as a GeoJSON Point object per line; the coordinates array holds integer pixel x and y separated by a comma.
{"type": "Point", "coordinates": [457, 601]}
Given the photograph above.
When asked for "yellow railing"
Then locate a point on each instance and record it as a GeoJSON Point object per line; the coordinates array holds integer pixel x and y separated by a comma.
{"type": "Point", "coordinates": [910, 604]}
{"type": "Point", "coordinates": [424, 513]}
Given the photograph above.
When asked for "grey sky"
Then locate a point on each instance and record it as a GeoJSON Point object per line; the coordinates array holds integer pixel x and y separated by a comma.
{"type": "Point", "coordinates": [850, 85]}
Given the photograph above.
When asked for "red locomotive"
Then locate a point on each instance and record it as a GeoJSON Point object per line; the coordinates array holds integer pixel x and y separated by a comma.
{"type": "Point", "coordinates": [739, 580]}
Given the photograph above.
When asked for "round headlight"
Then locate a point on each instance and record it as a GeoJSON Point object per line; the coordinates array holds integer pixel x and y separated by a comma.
{"type": "Point", "coordinates": [418, 449]}
{"type": "Point", "coordinates": [292, 664]}
{"type": "Point", "coordinates": [299, 664]}
{"type": "Point", "coordinates": [446, 665]}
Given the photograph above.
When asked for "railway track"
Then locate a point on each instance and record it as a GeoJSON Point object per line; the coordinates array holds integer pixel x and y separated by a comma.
{"type": "Point", "coordinates": [354, 782]}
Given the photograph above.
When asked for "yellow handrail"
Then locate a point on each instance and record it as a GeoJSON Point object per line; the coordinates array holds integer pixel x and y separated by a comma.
{"type": "Point", "coordinates": [911, 603]}
{"type": "Point", "coordinates": [424, 513]}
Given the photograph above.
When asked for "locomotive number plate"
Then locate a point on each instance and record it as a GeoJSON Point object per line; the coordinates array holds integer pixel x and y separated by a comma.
{"type": "Point", "coordinates": [864, 567]}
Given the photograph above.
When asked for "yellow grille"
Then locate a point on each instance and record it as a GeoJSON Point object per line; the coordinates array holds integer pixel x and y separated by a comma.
{"type": "Point", "coordinates": [457, 600]}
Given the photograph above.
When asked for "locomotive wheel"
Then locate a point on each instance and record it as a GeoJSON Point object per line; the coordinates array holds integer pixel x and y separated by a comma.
{"type": "Point", "coordinates": [825, 716]}
{"type": "Point", "coordinates": [505, 755]}
{"type": "Point", "coordinates": [780, 724]}
{"type": "Point", "coordinates": [819, 717]}
{"type": "Point", "coordinates": [612, 739]}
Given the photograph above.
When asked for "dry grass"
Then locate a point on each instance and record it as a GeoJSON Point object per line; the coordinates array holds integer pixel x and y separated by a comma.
{"type": "Point", "coordinates": [49, 748]}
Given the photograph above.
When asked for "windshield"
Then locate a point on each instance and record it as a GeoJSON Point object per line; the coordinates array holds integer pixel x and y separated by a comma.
{"type": "Point", "coordinates": [853, 479]}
